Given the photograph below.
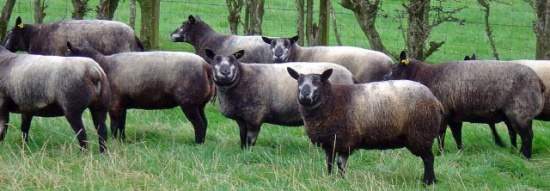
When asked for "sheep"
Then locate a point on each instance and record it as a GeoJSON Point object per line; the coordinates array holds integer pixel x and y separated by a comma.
{"type": "Point", "coordinates": [51, 86]}
{"type": "Point", "coordinates": [199, 34]}
{"type": "Point", "coordinates": [366, 65]}
{"type": "Point", "coordinates": [154, 80]}
{"type": "Point", "coordinates": [108, 37]}
{"type": "Point", "coordinates": [253, 94]}
{"type": "Point", "coordinates": [542, 68]}
{"type": "Point", "coordinates": [341, 118]}
{"type": "Point", "coordinates": [480, 92]}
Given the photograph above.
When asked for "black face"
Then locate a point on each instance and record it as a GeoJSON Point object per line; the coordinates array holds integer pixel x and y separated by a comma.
{"type": "Point", "coordinates": [82, 49]}
{"type": "Point", "coordinates": [14, 40]}
{"type": "Point", "coordinates": [182, 33]}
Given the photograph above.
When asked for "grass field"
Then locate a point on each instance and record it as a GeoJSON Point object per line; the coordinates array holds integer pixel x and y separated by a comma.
{"type": "Point", "coordinates": [160, 153]}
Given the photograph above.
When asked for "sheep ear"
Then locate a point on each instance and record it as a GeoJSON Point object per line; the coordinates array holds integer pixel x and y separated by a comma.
{"type": "Point", "coordinates": [293, 73]}
{"type": "Point", "coordinates": [266, 40]}
{"type": "Point", "coordinates": [467, 57]}
{"type": "Point", "coordinates": [473, 57]}
{"type": "Point", "coordinates": [19, 23]}
{"type": "Point", "coordinates": [404, 59]}
{"type": "Point", "coordinates": [326, 74]}
{"type": "Point", "coordinates": [209, 53]}
{"type": "Point", "coordinates": [192, 19]}
{"type": "Point", "coordinates": [69, 45]}
{"type": "Point", "coordinates": [294, 39]}
{"type": "Point", "coordinates": [238, 54]}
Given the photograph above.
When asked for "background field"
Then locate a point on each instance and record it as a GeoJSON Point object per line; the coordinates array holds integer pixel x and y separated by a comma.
{"type": "Point", "coordinates": [160, 153]}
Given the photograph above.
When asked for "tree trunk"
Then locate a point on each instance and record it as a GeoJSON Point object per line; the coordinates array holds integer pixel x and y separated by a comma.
{"type": "Point", "coordinates": [365, 13]}
{"type": "Point", "coordinates": [39, 14]}
{"type": "Point", "coordinates": [324, 26]}
{"type": "Point", "coordinates": [254, 17]}
{"type": "Point", "coordinates": [419, 28]}
{"type": "Point", "coordinates": [234, 17]}
{"type": "Point", "coordinates": [488, 31]}
{"type": "Point", "coordinates": [311, 28]}
{"type": "Point", "coordinates": [335, 25]}
{"type": "Point", "coordinates": [542, 29]}
{"type": "Point", "coordinates": [133, 14]}
{"type": "Point", "coordinates": [5, 18]}
{"type": "Point", "coordinates": [149, 23]}
{"type": "Point", "coordinates": [80, 8]}
{"type": "Point", "coordinates": [300, 21]}
{"type": "Point", "coordinates": [106, 9]}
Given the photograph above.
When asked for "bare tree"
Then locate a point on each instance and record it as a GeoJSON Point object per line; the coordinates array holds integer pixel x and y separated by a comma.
{"type": "Point", "coordinates": [234, 17]}
{"type": "Point", "coordinates": [80, 8]}
{"type": "Point", "coordinates": [39, 8]}
{"type": "Point", "coordinates": [541, 27]}
{"type": "Point", "coordinates": [417, 31]}
{"type": "Point", "coordinates": [254, 14]}
{"type": "Point", "coordinates": [133, 14]}
{"type": "Point", "coordinates": [486, 4]}
{"type": "Point", "coordinates": [149, 23]}
{"type": "Point", "coordinates": [5, 18]}
{"type": "Point", "coordinates": [315, 33]}
{"type": "Point", "coordinates": [300, 22]}
{"type": "Point", "coordinates": [334, 25]}
{"type": "Point", "coordinates": [106, 9]}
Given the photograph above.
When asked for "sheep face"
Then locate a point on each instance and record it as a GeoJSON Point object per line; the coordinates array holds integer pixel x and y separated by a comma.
{"type": "Point", "coordinates": [401, 70]}
{"type": "Point", "coordinates": [309, 86]}
{"type": "Point", "coordinates": [183, 33]}
{"type": "Point", "coordinates": [225, 68]}
{"type": "Point", "coordinates": [82, 49]}
{"type": "Point", "coordinates": [280, 47]}
{"type": "Point", "coordinates": [14, 40]}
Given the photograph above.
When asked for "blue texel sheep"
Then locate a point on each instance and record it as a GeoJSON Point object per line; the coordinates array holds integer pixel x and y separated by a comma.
{"type": "Point", "coordinates": [154, 80]}
{"type": "Point", "coordinates": [379, 115]}
{"type": "Point", "coordinates": [480, 92]}
{"type": "Point", "coordinates": [252, 94]}
{"type": "Point", "coordinates": [366, 65]}
{"type": "Point", "coordinates": [50, 86]}
{"type": "Point", "coordinates": [197, 33]}
{"type": "Point", "coordinates": [108, 37]}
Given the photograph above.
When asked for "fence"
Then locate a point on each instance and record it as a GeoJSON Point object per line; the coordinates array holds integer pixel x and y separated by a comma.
{"type": "Point", "coordinates": [511, 23]}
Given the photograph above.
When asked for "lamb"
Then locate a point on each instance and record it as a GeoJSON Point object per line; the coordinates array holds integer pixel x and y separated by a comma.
{"type": "Point", "coordinates": [253, 94]}
{"type": "Point", "coordinates": [199, 34]}
{"type": "Point", "coordinates": [379, 115]}
{"type": "Point", "coordinates": [366, 65]}
{"type": "Point", "coordinates": [108, 37]}
{"type": "Point", "coordinates": [480, 92]}
{"type": "Point", "coordinates": [154, 80]}
{"type": "Point", "coordinates": [51, 86]}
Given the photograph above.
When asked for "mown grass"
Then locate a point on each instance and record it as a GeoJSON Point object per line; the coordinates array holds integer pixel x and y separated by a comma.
{"type": "Point", "coordinates": [160, 153]}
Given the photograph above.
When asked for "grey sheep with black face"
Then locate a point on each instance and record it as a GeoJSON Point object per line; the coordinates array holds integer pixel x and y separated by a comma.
{"type": "Point", "coordinates": [253, 94]}
{"type": "Point", "coordinates": [342, 118]}
{"type": "Point", "coordinates": [480, 92]}
{"type": "Point", "coordinates": [199, 34]}
{"type": "Point", "coordinates": [365, 65]}
{"type": "Point", "coordinates": [155, 80]}
{"type": "Point", "coordinates": [50, 86]}
{"type": "Point", "coordinates": [108, 37]}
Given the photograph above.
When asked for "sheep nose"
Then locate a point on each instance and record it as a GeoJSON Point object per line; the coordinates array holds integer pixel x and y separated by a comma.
{"type": "Point", "coordinates": [278, 52]}
{"type": "Point", "coordinates": [225, 72]}
{"type": "Point", "coordinates": [306, 91]}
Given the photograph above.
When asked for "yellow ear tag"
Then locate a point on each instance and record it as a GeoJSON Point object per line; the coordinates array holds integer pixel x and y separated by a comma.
{"type": "Point", "coordinates": [405, 61]}
{"type": "Point", "coordinates": [20, 25]}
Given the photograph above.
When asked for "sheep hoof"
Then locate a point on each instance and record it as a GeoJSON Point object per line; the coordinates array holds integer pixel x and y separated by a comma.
{"type": "Point", "coordinates": [429, 182]}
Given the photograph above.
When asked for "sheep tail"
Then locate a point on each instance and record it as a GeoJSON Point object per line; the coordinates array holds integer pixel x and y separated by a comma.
{"type": "Point", "coordinates": [96, 77]}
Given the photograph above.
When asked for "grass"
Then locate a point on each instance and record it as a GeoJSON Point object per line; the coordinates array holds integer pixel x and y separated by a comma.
{"type": "Point", "coordinates": [160, 153]}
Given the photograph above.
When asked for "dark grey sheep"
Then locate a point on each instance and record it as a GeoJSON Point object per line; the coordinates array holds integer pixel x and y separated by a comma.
{"type": "Point", "coordinates": [155, 80]}
{"type": "Point", "coordinates": [199, 34]}
{"type": "Point", "coordinates": [108, 37]}
{"type": "Point", "coordinates": [253, 94]}
{"type": "Point", "coordinates": [50, 86]}
{"type": "Point", "coordinates": [480, 92]}
{"type": "Point", "coordinates": [379, 115]}
{"type": "Point", "coordinates": [366, 65]}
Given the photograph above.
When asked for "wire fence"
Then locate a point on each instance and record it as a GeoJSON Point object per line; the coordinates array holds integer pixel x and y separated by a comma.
{"type": "Point", "coordinates": [511, 24]}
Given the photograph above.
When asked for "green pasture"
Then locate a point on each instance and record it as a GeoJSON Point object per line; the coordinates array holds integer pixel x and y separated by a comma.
{"type": "Point", "coordinates": [160, 153]}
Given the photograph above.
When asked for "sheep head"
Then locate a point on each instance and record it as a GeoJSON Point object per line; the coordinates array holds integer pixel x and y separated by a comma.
{"type": "Point", "coordinates": [309, 86]}
{"type": "Point", "coordinates": [280, 47]}
{"type": "Point", "coordinates": [225, 67]}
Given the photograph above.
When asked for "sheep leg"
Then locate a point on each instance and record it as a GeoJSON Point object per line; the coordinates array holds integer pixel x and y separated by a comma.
{"type": "Point", "coordinates": [512, 133]}
{"type": "Point", "coordinates": [4, 120]}
{"type": "Point", "coordinates": [118, 123]}
{"type": "Point", "coordinates": [497, 138]}
{"type": "Point", "coordinates": [456, 129]}
{"type": "Point", "coordinates": [342, 161]}
{"type": "Point", "coordinates": [99, 118]}
{"type": "Point", "coordinates": [75, 120]}
{"type": "Point", "coordinates": [193, 113]}
{"type": "Point", "coordinates": [242, 132]}
{"type": "Point", "coordinates": [428, 160]}
{"type": "Point", "coordinates": [25, 125]}
{"type": "Point", "coordinates": [526, 133]}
